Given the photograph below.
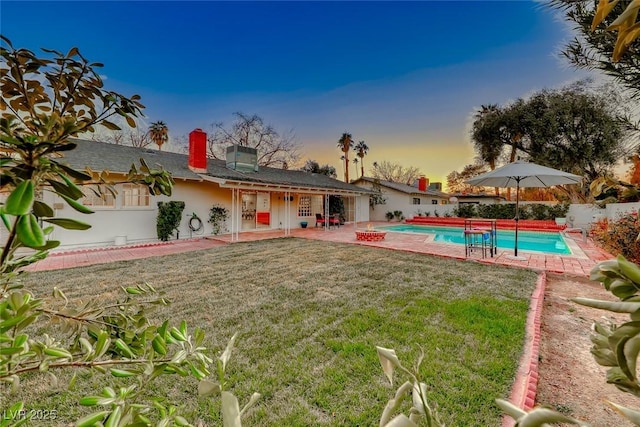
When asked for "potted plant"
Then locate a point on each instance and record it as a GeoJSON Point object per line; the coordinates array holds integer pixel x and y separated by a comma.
{"type": "Point", "coordinates": [389, 215]}
{"type": "Point", "coordinates": [304, 224]}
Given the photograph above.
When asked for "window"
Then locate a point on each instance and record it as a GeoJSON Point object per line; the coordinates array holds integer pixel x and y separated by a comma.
{"type": "Point", "coordinates": [105, 200]}
{"type": "Point", "coordinates": [434, 202]}
{"type": "Point", "coordinates": [304, 206]}
{"type": "Point", "coordinates": [135, 195]}
{"type": "Point", "coordinates": [416, 200]}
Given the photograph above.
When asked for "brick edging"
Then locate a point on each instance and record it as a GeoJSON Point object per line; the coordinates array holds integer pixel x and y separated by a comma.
{"type": "Point", "coordinates": [112, 248]}
{"type": "Point", "coordinates": [525, 386]}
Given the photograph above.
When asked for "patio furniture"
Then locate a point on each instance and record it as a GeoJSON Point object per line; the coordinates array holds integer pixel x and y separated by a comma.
{"type": "Point", "coordinates": [320, 220]}
{"type": "Point", "coordinates": [334, 220]}
{"type": "Point", "coordinates": [477, 241]}
{"type": "Point", "coordinates": [481, 234]}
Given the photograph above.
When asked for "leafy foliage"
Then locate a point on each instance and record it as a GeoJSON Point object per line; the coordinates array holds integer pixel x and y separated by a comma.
{"type": "Point", "coordinates": [312, 166]}
{"type": "Point", "coordinates": [508, 211]}
{"type": "Point", "coordinates": [169, 214]}
{"type": "Point", "coordinates": [345, 143]}
{"type": "Point", "coordinates": [606, 189]}
{"type": "Point", "coordinates": [456, 181]}
{"type": "Point", "coordinates": [414, 387]}
{"type": "Point", "coordinates": [45, 101]}
{"type": "Point", "coordinates": [217, 218]}
{"type": "Point", "coordinates": [596, 48]}
{"type": "Point", "coordinates": [570, 127]}
{"type": "Point", "coordinates": [159, 133]}
{"type": "Point", "coordinates": [620, 236]}
{"type": "Point", "coordinates": [361, 149]}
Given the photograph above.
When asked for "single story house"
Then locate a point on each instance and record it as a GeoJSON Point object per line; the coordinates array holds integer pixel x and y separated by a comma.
{"type": "Point", "coordinates": [256, 197]}
{"type": "Point", "coordinates": [409, 199]}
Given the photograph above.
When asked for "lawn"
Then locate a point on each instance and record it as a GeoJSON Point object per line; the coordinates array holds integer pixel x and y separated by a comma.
{"type": "Point", "coordinates": [309, 315]}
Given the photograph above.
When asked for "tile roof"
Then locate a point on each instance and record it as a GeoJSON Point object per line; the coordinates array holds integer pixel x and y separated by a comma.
{"type": "Point", "coordinates": [118, 158]}
{"type": "Point", "coordinates": [404, 188]}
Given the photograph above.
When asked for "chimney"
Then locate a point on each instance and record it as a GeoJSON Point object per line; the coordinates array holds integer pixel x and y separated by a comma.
{"type": "Point", "coordinates": [423, 183]}
{"type": "Point", "coordinates": [198, 151]}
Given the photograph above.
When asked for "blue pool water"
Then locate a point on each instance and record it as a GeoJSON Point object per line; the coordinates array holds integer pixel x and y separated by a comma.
{"type": "Point", "coordinates": [537, 241]}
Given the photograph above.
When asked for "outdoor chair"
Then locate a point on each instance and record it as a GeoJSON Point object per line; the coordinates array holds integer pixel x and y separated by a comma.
{"type": "Point", "coordinates": [320, 220]}
{"type": "Point", "coordinates": [334, 220]}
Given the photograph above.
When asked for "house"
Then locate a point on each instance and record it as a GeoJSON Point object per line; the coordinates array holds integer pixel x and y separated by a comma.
{"type": "Point", "coordinates": [410, 199]}
{"type": "Point", "coordinates": [256, 197]}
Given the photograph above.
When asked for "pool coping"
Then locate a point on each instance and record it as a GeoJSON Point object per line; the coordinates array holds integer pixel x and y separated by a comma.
{"type": "Point", "coordinates": [574, 249]}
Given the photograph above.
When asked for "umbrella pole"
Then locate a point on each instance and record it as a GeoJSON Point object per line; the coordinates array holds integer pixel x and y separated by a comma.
{"type": "Point", "coordinates": [515, 249]}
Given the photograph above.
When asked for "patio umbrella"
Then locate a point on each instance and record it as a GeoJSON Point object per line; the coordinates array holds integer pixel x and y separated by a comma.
{"type": "Point", "coordinates": [523, 174]}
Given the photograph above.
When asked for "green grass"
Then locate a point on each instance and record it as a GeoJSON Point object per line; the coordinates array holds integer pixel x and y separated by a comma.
{"type": "Point", "coordinates": [309, 315]}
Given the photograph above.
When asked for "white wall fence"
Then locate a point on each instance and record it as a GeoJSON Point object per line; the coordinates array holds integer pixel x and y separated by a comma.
{"type": "Point", "coordinates": [583, 215]}
{"type": "Point", "coordinates": [579, 215]}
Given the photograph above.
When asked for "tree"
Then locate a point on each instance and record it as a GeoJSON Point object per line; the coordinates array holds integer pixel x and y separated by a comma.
{"type": "Point", "coordinates": [345, 143]}
{"type": "Point", "coordinates": [573, 129]}
{"type": "Point", "coordinates": [570, 127]}
{"type": "Point", "coordinates": [456, 181]}
{"type": "Point", "coordinates": [394, 172]}
{"type": "Point", "coordinates": [274, 149]}
{"type": "Point", "coordinates": [132, 137]}
{"type": "Point", "coordinates": [355, 166]}
{"type": "Point", "coordinates": [634, 171]}
{"type": "Point", "coordinates": [45, 102]}
{"type": "Point", "coordinates": [313, 167]}
{"type": "Point", "coordinates": [594, 47]}
{"type": "Point", "coordinates": [361, 149]}
{"type": "Point", "coordinates": [486, 136]}
{"type": "Point", "coordinates": [159, 133]}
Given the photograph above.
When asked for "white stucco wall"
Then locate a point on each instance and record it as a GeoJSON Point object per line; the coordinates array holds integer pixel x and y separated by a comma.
{"type": "Point", "coordinates": [397, 200]}
{"type": "Point", "coordinates": [616, 210]}
{"type": "Point", "coordinates": [138, 224]}
{"type": "Point", "coordinates": [121, 224]}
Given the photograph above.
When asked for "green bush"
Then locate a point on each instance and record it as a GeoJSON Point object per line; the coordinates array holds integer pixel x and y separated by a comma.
{"type": "Point", "coordinates": [217, 217]}
{"type": "Point", "coordinates": [465, 210]}
{"type": "Point", "coordinates": [169, 214]}
{"type": "Point", "coordinates": [389, 215]}
{"type": "Point", "coordinates": [620, 237]}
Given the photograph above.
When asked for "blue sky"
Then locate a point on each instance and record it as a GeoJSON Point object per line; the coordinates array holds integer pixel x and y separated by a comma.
{"type": "Point", "coordinates": [403, 76]}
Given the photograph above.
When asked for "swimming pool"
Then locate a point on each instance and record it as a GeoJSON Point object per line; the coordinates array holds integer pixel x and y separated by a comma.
{"type": "Point", "coordinates": [536, 241]}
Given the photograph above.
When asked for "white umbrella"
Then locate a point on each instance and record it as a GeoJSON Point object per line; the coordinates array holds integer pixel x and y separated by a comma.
{"type": "Point", "coordinates": [523, 174]}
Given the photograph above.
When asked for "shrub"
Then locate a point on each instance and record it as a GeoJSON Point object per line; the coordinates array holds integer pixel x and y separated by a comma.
{"type": "Point", "coordinates": [558, 211]}
{"type": "Point", "coordinates": [398, 214]}
{"type": "Point", "coordinates": [389, 215]}
{"type": "Point", "coordinates": [465, 210]}
{"type": "Point", "coordinates": [620, 236]}
{"type": "Point", "coordinates": [169, 214]}
{"type": "Point", "coordinates": [217, 218]}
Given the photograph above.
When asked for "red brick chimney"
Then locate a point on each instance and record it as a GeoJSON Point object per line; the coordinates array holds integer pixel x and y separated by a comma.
{"type": "Point", "coordinates": [198, 151]}
{"type": "Point", "coordinates": [423, 183]}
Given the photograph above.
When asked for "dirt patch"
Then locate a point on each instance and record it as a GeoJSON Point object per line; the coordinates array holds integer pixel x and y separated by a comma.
{"type": "Point", "coordinates": [570, 380]}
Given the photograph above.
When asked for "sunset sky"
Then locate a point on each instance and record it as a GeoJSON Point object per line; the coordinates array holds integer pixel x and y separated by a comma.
{"type": "Point", "coordinates": [405, 77]}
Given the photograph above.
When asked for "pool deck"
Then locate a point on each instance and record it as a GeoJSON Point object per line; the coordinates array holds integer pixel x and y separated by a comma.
{"type": "Point", "coordinates": [588, 254]}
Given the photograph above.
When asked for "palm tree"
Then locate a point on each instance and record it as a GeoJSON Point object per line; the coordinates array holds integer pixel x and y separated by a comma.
{"type": "Point", "coordinates": [159, 133]}
{"type": "Point", "coordinates": [486, 134]}
{"type": "Point", "coordinates": [361, 149]}
{"type": "Point", "coordinates": [345, 143]}
{"type": "Point", "coordinates": [355, 166]}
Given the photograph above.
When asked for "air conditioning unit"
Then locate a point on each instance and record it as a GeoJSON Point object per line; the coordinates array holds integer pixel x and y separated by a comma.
{"type": "Point", "coordinates": [242, 159]}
